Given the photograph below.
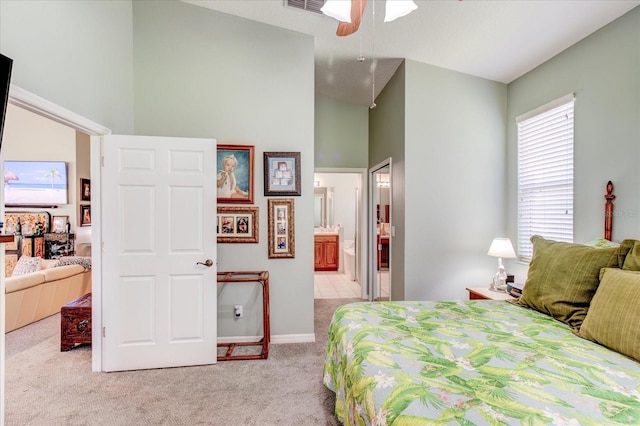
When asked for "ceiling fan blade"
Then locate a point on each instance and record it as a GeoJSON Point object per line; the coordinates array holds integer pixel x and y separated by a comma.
{"type": "Point", "coordinates": [357, 10]}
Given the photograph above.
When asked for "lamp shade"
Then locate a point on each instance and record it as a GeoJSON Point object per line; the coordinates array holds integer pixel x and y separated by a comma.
{"type": "Point", "coordinates": [338, 9]}
{"type": "Point", "coordinates": [502, 247]}
{"type": "Point", "coordinates": [398, 8]}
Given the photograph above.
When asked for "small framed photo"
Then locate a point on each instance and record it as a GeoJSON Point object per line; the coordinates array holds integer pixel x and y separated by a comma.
{"type": "Point", "coordinates": [237, 224]}
{"type": "Point", "coordinates": [85, 190]}
{"type": "Point", "coordinates": [85, 215]}
{"type": "Point", "coordinates": [234, 180]}
{"type": "Point", "coordinates": [59, 224]}
{"type": "Point", "coordinates": [281, 228]}
{"type": "Point", "coordinates": [282, 173]}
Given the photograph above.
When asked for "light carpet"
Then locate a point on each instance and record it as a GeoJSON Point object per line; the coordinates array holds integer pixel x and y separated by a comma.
{"type": "Point", "coordinates": [47, 387]}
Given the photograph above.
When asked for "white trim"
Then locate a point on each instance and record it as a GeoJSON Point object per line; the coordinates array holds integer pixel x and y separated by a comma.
{"type": "Point", "coordinates": [372, 234]}
{"type": "Point", "coordinates": [276, 340]}
{"type": "Point", "coordinates": [34, 103]}
{"type": "Point", "coordinates": [363, 220]}
{"type": "Point", "coordinates": [546, 107]}
{"type": "Point", "coordinates": [293, 338]}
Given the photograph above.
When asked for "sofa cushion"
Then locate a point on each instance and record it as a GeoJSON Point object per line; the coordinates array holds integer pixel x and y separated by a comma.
{"type": "Point", "coordinates": [62, 272]}
{"type": "Point", "coordinates": [614, 314]}
{"type": "Point", "coordinates": [26, 265]}
{"type": "Point", "coordinates": [48, 264]}
{"type": "Point", "coordinates": [563, 278]}
{"type": "Point", "coordinates": [21, 282]}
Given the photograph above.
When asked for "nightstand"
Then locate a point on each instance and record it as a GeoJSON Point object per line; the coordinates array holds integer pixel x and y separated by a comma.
{"type": "Point", "coordinates": [483, 293]}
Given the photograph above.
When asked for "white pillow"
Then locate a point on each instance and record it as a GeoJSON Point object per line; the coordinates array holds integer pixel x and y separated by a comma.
{"type": "Point", "coordinates": [26, 265]}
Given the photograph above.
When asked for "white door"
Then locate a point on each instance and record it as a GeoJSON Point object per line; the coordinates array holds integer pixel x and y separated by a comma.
{"type": "Point", "coordinates": [159, 233]}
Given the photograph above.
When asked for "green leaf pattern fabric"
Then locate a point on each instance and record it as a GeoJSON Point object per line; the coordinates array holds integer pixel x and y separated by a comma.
{"type": "Point", "coordinates": [477, 362]}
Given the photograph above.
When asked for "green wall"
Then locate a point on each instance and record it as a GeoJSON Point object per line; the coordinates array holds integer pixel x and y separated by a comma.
{"type": "Point", "coordinates": [76, 54]}
{"type": "Point", "coordinates": [603, 70]}
{"type": "Point", "coordinates": [341, 134]}
{"type": "Point", "coordinates": [196, 73]}
{"type": "Point", "coordinates": [445, 133]}
{"type": "Point", "coordinates": [455, 187]}
{"type": "Point", "coordinates": [387, 140]}
{"type": "Point", "coordinates": [201, 73]}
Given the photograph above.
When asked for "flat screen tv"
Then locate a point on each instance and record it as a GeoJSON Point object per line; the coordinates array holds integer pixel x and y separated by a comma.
{"type": "Point", "coordinates": [5, 79]}
{"type": "Point", "coordinates": [35, 183]}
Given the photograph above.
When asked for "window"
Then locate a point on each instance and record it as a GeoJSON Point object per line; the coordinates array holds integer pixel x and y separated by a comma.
{"type": "Point", "coordinates": [545, 174]}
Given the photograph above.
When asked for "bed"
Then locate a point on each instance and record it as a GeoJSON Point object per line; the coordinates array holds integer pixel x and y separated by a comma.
{"type": "Point", "coordinates": [565, 353]}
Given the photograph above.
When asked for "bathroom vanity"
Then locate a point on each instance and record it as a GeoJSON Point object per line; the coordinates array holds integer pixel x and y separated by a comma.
{"type": "Point", "coordinates": [326, 251]}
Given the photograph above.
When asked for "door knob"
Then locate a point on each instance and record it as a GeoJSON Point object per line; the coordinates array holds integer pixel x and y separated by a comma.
{"type": "Point", "coordinates": [208, 263]}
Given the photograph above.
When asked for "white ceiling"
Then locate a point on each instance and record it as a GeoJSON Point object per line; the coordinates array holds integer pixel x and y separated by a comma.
{"type": "Point", "coordinates": [498, 40]}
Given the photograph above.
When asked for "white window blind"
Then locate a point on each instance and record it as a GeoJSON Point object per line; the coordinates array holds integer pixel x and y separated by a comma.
{"type": "Point", "coordinates": [545, 174]}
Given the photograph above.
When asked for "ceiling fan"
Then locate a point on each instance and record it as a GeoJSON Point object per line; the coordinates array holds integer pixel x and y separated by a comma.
{"type": "Point", "coordinates": [349, 13]}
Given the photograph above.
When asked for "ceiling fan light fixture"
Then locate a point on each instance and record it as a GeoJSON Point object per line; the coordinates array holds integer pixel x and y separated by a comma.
{"type": "Point", "coordinates": [338, 9]}
{"type": "Point", "coordinates": [397, 8]}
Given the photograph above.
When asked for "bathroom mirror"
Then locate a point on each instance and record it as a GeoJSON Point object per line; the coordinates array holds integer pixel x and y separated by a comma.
{"type": "Point", "coordinates": [320, 207]}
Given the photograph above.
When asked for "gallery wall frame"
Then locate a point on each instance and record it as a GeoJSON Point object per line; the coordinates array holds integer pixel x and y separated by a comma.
{"type": "Point", "coordinates": [237, 224]}
{"type": "Point", "coordinates": [85, 189]}
{"type": "Point", "coordinates": [281, 228]}
{"type": "Point", "coordinates": [234, 180]}
{"type": "Point", "coordinates": [85, 215]}
{"type": "Point", "coordinates": [59, 224]}
{"type": "Point", "coordinates": [282, 174]}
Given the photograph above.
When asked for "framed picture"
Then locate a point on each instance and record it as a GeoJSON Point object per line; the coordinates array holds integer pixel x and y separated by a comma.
{"type": "Point", "coordinates": [85, 215]}
{"type": "Point", "coordinates": [234, 179]}
{"type": "Point", "coordinates": [281, 235]}
{"type": "Point", "coordinates": [281, 173]}
{"type": "Point", "coordinates": [237, 224]}
{"type": "Point", "coordinates": [59, 224]}
{"type": "Point", "coordinates": [85, 190]}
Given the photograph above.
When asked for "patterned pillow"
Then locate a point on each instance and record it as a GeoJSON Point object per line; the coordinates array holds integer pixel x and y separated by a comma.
{"type": "Point", "coordinates": [563, 278]}
{"type": "Point", "coordinates": [614, 313]}
{"type": "Point", "coordinates": [601, 243]}
{"type": "Point", "coordinates": [26, 265]}
{"type": "Point", "coordinates": [84, 261]}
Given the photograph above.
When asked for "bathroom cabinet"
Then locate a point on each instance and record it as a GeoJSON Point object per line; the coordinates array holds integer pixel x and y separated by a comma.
{"type": "Point", "coordinates": [326, 252]}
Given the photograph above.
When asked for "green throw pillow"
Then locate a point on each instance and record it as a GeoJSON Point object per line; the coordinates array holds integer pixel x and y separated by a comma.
{"type": "Point", "coordinates": [563, 278]}
{"type": "Point", "coordinates": [632, 256]}
{"type": "Point", "coordinates": [614, 315]}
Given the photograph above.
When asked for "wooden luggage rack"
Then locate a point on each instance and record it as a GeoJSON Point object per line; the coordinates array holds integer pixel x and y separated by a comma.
{"type": "Point", "coordinates": [262, 278]}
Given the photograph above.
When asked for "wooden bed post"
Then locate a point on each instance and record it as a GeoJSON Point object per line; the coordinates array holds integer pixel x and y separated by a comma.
{"type": "Point", "coordinates": [608, 211]}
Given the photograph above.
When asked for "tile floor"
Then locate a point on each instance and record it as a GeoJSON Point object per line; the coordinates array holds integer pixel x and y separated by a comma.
{"type": "Point", "coordinates": [335, 285]}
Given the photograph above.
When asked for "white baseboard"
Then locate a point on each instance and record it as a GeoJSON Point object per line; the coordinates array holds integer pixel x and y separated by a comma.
{"type": "Point", "coordinates": [293, 338]}
{"type": "Point", "coordinates": [278, 339]}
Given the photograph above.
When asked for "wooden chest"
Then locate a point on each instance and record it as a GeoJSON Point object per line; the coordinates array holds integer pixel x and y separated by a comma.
{"type": "Point", "coordinates": [75, 323]}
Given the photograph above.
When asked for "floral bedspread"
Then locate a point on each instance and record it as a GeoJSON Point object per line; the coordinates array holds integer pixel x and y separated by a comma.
{"type": "Point", "coordinates": [477, 362]}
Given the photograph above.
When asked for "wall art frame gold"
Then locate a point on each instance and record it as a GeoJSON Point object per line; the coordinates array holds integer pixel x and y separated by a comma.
{"type": "Point", "coordinates": [237, 225]}
{"type": "Point", "coordinates": [281, 228]}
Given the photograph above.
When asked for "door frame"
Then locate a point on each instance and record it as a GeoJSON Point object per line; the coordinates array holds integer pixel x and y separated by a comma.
{"type": "Point", "coordinates": [373, 227]}
{"type": "Point", "coordinates": [363, 218]}
{"type": "Point", "coordinates": [34, 103]}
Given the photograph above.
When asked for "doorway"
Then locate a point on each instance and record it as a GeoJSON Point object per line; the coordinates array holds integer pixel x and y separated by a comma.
{"type": "Point", "coordinates": [340, 205]}
{"type": "Point", "coordinates": [40, 106]}
{"type": "Point", "coordinates": [380, 231]}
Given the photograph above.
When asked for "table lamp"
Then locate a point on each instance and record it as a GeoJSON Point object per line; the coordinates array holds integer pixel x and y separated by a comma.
{"type": "Point", "coordinates": [501, 247]}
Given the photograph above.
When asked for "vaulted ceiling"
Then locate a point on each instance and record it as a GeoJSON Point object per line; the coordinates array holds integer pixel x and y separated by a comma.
{"type": "Point", "coordinates": [498, 40]}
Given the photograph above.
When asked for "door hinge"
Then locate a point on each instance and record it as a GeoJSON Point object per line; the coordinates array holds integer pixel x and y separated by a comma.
{"type": "Point", "coordinates": [104, 331]}
{"type": "Point", "coordinates": [102, 161]}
